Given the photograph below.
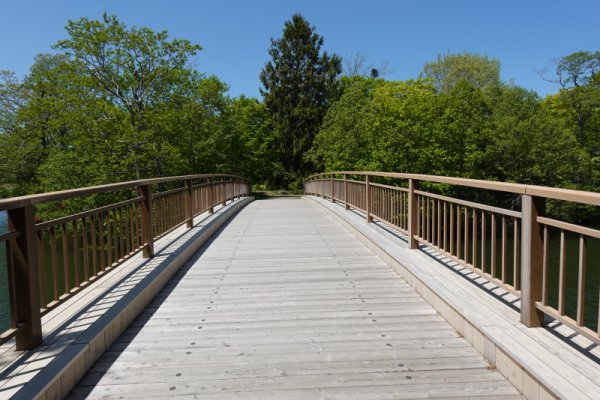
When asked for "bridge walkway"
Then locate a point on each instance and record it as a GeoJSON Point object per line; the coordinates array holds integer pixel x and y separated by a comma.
{"type": "Point", "coordinates": [285, 303]}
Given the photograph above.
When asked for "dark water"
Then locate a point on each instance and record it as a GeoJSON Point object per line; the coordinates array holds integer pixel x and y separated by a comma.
{"type": "Point", "coordinates": [592, 276]}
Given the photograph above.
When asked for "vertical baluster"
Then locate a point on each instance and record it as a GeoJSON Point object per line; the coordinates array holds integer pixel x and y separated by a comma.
{"type": "Point", "coordinates": [516, 248]}
{"type": "Point", "coordinates": [397, 199]}
{"type": "Point", "coordinates": [451, 248]}
{"type": "Point", "coordinates": [402, 211]}
{"type": "Point", "coordinates": [439, 225]}
{"type": "Point", "coordinates": [483, 242]}
{"type": "Point", "coordinates": [131, 221]}
{"type": "Point", "coordinates": [504, 249]}
{"type": "Point", "coordinates": [406, 210]}
{"type": "Point", "coordinates": [546, 248]}
{"type": "Point", "coordinates": [458, 232]}
{"type": "Point", "coordinates": [121, 233]}
{"type": "Point", "coordinates": [368, 198]}
{"type": "Point", "coordinates": [109, 249]}
{"type": "Point", "coordinates": [433, 221]}
{"type": "Point", "coordinates": [386, 205]}
{"type": "Point", "coordinates": [224, 193]}
{"type": "Point", "coordinates": [494, 245]}
{"type": "Point", "coordinates": [86, 250]}
{"type": "Point", "coordinates": [374, 201]}
{"type": "Point", "coordinates": [562, 274]}
{"type": "Point", "coordinates": [126, 223]}
{"type": "Point", "coordinates": [392, 206]}
{"type": "Point", "coordinates": [428, 219]}
{"type": "Point", "coordinates": [135, 226]}
{"type": "Point", "coordinates": [420, 206]}
{"type": "Point", "coordinates": [76, 253]}
{"type": "Point", "coordinates": [425, 218]}
{"type": "Point", "coordinates": [54, 263]}
{"type": "Point", "coordinates": [116, 235]}
{"type": "Point", "coordinates": [42, 269]}
{"type": "Point", "coordinates": [384, 202]}
{"type": "Point", "coordinates": [346, 192]}
{"type": "Point", "coordinates": [397, 204]}
{"type": "Point", "coordinates": [65, 251]}
{"type": "Point", "coordinates": [172, 209]}
{"type": "Point", "coordinates": [413, 213]}
{"type": "Point", "coordinates": [466, 250]}
{"type": "Point", "coordinates": [95, 249]}
{"type": "Point", "coordinates": [475, 236]}
{"type": "Point", "coordinates": [331, 183]}
{"type": "Point", "coordinates": [163, 216]}
{"type": "Point", "coordinates": [146, 221]}
{"type": "Point", "coordinates": [581, 280]}
{"type": "Point", "coordinates": [377, 193]}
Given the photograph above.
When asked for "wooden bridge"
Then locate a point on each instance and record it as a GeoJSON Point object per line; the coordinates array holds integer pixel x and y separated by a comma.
{"type": "Point", "coordinates": [359, 290]}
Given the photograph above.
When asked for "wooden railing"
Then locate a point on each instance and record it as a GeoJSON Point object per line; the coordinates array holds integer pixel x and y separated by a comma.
{"type": "Point", "coordinates": [513, 249]}
{"type": "Point", "coordinates": [50, 261]}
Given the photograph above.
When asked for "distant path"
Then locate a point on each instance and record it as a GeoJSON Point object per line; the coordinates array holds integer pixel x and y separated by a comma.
{"type": "Point", "coordinates": [287, 304]}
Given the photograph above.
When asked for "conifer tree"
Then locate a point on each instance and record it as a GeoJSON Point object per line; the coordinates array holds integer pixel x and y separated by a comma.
{"type": "Point", "coordinates": [299, 84]}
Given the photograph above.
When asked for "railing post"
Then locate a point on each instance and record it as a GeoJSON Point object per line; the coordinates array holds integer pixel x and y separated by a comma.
{"type": "Point", "coordinates": [346, 192]}
{"type": "Point", "coordinates": [532, 249]}
{"type": "Point", "coordinates": [27, 290]}
{"type": "Point", "coordinates": [413, 214]}
{"type": "Point", "coordinates": [211, 197]}
{"type": "Point", "coordinates": [188, 204]}
{"type": "Point", "coordinates": [147, 231]}
{"type": "Point", "coordinates": [368, 199]}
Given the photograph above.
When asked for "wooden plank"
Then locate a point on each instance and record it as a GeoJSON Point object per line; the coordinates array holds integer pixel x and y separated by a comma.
{"type": "Point", "coordinates": [293, 309]}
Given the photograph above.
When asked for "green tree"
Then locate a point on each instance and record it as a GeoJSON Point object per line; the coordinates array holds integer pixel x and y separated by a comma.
{"type": "Point", "coordinates": [299, 84]}
{"type": "Point", "coordinates": [136, 68]}
{"type": "Point", "coordinates": [345, 140]}
{"type": "Point", "coordinates": [578, 75]}
{"type": "Point", "coordinates": [529, 145]}
{"type": "Point", "coordinates": [449, 69]}
{"type": "Point", "coordinates": [253, 139]}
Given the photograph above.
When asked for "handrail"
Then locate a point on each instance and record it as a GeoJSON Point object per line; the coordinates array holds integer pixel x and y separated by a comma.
{"type": "Point", "coordinates": [578, 196]}
{"type": "Point", "coordinates": [50, 261]}
{"type": "Point", "coordinates": [508, 247]}
{"type": "Point", "coordinates": [35, 199]}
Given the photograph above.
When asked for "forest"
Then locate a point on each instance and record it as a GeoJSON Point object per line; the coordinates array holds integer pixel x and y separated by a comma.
{"type": "Point", "coordinates": [114, 103]}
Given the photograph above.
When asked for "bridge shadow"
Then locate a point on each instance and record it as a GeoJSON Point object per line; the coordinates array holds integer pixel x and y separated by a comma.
{"type": "Point", "coordinates": [576, 341]}
{"type": "Point", "coordinates": [112, 354]}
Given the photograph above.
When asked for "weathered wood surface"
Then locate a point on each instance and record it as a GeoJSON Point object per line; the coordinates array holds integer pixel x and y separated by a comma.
{"type": "Point", "coordinates": [287, 304]}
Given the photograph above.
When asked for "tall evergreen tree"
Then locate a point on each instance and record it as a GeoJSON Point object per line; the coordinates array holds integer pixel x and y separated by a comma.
{"type": "Point", "coordinates": [299, 85]}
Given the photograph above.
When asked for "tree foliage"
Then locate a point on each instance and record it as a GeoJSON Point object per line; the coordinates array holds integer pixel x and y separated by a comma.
{"type": "Point", "coordinates": [299, 84]}
{"type": "Point", "coordinates": [118, 103]}
{"type": "Point", "coordinates": [449, 69]}
{"type": "Point", "coordinates": [136, 68]}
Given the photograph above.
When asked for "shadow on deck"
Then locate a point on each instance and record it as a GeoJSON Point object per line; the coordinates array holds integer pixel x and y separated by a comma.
{"type": "Point", "coordinates": [294, 299]}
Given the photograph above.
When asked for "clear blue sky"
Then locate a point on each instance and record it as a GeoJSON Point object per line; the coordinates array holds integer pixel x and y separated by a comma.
{"type": "Point", "coordinates": [524, 35]}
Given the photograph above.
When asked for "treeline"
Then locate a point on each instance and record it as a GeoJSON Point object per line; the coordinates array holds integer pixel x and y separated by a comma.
{"type": "Point", "coordinates": [116, 103]}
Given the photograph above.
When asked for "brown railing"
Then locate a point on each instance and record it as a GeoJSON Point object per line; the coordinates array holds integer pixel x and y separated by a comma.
{"type": "Point", "coordinates": [50, 261]}
{"type": "Point", "coordinates": [514, 249]}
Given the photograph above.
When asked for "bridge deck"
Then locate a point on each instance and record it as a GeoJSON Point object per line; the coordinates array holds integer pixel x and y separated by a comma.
{"type": "Point", "coordinates": [285, 303]}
